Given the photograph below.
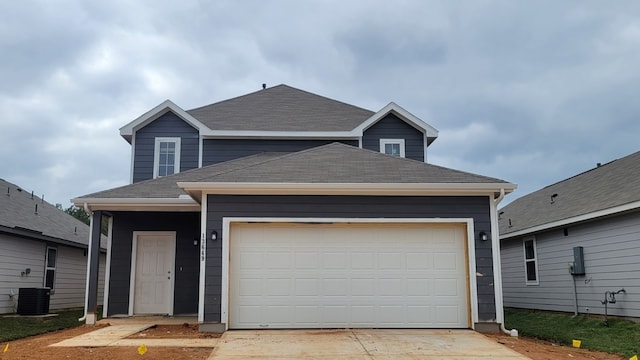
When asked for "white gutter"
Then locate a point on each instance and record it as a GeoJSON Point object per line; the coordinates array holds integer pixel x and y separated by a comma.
{"type": "Point", "coordinates": [401, 189]}
{"type": "Point", "coordinates": [86, 286]}
{"type": "Point", "coordinates": [497, 266]}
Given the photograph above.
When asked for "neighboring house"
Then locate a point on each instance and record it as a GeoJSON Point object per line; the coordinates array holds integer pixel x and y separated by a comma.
{"type": "Point", "coordinates": [40, 246]}
{"type": "Point", "coordinates": [285, 209]}
{"type": "Point", "coordinates": [598, 211]}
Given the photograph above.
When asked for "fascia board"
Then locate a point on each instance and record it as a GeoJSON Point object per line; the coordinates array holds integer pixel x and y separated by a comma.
{"type": "Point", "coordinates": [382, 189]}
{"type": "Point", "coordinates": [572, 220]}
{"type": "Point", "coordinates": [411, 119]}
{"type": "Point", "coordinates": [234, 134]}
{"type": "Point", "coordinates": [167, 105]}
{"type": "Point", "coordinates": [138, 204]}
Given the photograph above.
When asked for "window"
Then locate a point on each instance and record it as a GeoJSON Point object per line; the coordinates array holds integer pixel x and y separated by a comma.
{"type": "Point", "coordinates": [50, 267]}
{"type": "Point", "coordinates": [393, 147]}
{"type": "Point", "coordinates": [166, 157]}
{"type": "Point", "coordinates": [530, 261]}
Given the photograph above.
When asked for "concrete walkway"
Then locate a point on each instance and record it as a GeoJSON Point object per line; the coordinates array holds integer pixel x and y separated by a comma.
{"type": "Point", "coordinates": [115, 335]}
{"type": "Point", "coordinates": [359, 344]}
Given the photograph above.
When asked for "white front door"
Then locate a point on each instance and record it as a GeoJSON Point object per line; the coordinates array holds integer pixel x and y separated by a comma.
{"type": "Point", "coordinates": [153, 273]}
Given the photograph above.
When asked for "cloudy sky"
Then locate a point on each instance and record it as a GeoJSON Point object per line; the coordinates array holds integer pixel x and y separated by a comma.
{"type": "Point", "coordinates": [529, 92]}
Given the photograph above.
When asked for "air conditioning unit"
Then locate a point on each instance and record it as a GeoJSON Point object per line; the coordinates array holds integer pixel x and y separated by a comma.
{"type": "Point", "coordinates": [33, 301]}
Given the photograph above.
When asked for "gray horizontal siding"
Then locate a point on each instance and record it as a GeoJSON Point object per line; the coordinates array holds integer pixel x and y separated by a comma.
{"type": "Point", "coordinates": [220, 150]}
{"type": "Point", "coordinates": [220, 206]}
{"type": "Point", "coordinates": [167, 125]}
{"type": "Point", "coordinates": [187, 227]}
{"type": "Point", "coordinates": [17, 254]}
{"type": "Point", "coordinates": [611, 249]}
{"type": "Point", "coordinates": [391, 127]}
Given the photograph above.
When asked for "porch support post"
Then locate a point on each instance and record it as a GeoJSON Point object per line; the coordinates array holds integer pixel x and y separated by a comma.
{"type": "Point", "coordinates": [93, 268]}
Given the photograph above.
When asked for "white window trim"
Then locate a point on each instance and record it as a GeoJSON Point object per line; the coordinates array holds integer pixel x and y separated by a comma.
{"type": "Point", "coordinates": [400, 142]}
{"type": "Point", "coordinates": [535, 260]}
{"type": "Point", "coordinates": [156, 154]}
{"type": "Point", "coordinates": [47, 268]}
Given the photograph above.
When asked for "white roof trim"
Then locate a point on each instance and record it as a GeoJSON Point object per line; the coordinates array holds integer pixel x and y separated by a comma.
{"type": "Point", "coordinates": [572, 220]}
{"type": "Point", "coordinates": [139, 204]}
{"type": "Point", "coordinates": [243, 134]}
{"type": "Point", "coordinates": [411, 119]}
{"type": "Point", "coordinates": [167, 105]}
{"type": "Point", "coordinates": [195, 189]}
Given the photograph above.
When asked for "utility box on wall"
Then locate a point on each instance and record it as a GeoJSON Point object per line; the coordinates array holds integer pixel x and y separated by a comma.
{"type": "Point", "coordinates": [578, 261]}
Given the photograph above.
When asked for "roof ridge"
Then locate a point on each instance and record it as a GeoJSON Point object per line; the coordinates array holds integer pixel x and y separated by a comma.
{"type": "Point", "coordinates": [275, 87]}
{"type": "Point", "coordinates": [598, 167]}
{"type": "Point", "coordinates": [233, 98]}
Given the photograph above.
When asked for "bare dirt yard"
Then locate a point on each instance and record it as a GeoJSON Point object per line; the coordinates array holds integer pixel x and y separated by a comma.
{"type": "Point", "coordinates": [37, 347]}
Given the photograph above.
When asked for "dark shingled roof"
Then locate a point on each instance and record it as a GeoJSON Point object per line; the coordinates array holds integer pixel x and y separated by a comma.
{"type": "Point", "coordinates": [610, 185]}
{"type": "Point", "coordinates": [332, 163]}
{"type": "Point", "coordinates": [281, 108]}
{"type": "Point", "coordinates": [18, 213]}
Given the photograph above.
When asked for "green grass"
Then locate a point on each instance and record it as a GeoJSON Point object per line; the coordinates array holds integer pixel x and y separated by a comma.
{"type": "Point", "coordinates": [620, 337]}
{"type": "Point", "coordinates": [12, 328]}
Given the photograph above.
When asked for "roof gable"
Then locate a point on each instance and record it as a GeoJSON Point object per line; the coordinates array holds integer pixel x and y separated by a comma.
{"type": "Point", "coordinates": [27, 214]}
{"type": "Point", "coordinates": [153, 114]}
{"type": "Point", "coordinates": [594, 193]}
{"type": "Point", "coordinates": [392, 108]}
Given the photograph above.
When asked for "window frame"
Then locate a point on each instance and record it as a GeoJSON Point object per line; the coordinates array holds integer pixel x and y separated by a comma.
{"type": "Point", "coordinates": [399, 142]}
{"type": "Point", "coordinates": [48, 268]}
{"type": "Point", "coordinates": [534, 260]}
{"type": "Point", "coordinates": [156, 154]}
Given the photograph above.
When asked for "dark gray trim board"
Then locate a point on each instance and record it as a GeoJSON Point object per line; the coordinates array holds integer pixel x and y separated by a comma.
{"type": "Point", "coordinates": [187, 228]}
{"type": "Point", "coordinates": [215, 151]}
{"type": "Point", "coordinates": [475, 207]}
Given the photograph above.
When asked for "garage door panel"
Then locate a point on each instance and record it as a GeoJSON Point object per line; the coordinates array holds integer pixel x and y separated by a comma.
{"type": "Point", "coordinates": [324, 276]}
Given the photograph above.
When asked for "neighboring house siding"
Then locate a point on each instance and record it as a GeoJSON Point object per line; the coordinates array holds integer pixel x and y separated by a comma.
{"type": "Point", "coordinates": [168, 125]}
{"type": "Point", "coordinates": [220, 206]}
{"type": "Point", "coordinates": [71, 278]}
{"type": "Point", "coordinates": [391, 127]}
{"type": "Point", "coordinates": [611, 252]}
{"type": "Point", "coordinates": [18, 254]}
{"type": "Point", "coordinates": [219, 150]}
{"type": "Point", "coordinates": [187, 227]}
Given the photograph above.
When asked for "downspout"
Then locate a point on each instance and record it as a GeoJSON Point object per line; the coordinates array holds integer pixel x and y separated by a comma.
{"type": "Point", "coordinates": [86, 286]}
{"type": "Point", "coordinates": [498, 269]}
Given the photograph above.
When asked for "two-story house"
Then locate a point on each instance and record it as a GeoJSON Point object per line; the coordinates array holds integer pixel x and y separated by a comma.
{"type": "Point", "coordinates": [286, 209]}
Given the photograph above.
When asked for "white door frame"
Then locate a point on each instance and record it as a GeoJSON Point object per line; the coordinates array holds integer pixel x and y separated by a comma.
{"type": "Point", "coordinates": [132, 281]}
{"type": "Point", "coordinates": [471, 251]}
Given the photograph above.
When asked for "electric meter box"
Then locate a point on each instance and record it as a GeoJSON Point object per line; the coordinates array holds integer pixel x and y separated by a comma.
{"type": "Point", "coordinates": [578, 261]}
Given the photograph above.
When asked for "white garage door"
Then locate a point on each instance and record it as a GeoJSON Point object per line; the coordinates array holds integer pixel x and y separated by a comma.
{"type": "Point", "coordinates": [348, 276]}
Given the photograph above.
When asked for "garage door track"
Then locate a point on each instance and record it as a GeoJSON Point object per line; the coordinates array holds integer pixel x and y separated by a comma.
{"type": "Point", "coordinates": [359, 344]}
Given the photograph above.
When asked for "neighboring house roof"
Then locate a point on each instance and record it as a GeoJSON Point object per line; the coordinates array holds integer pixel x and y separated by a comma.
{"type": "Point", "coordinates": [24, 214]}
{"type": "Point", "coordinates": [333, 168]}
{"type": "Point", "coordinates": [279, 111]}
{"type": "Point", "coordinates": [607, 189]}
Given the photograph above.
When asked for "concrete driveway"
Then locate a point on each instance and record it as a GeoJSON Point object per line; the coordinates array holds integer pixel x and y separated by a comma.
{"type": "Point", "coordinates": [359, 344]}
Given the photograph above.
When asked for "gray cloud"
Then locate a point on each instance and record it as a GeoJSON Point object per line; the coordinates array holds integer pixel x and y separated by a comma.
{"type": "Point", "coordinates": [531, 93]}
